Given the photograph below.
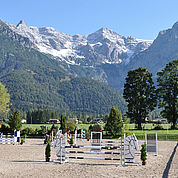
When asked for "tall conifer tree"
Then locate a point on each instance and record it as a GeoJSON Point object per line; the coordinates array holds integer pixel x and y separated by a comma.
{"type": "Point", "coordinates": [114, 123]}
{"type": "Point", "coordinates": [15, 120]}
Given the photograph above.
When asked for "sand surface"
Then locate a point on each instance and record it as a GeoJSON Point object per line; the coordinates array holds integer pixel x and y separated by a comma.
{"type": "Point", "coordinates": [28, 160]}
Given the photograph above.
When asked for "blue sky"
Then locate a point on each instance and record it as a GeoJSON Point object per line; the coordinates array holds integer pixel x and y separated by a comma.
{"type": "Point", "coordinates": [137, 18]}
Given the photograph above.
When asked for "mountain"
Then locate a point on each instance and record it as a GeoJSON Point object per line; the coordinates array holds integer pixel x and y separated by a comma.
{"type": "Point", "coordinates": [103, 46]}
{"type": "Point", "coordinates": [162, 51]}
{"type": "Point", "coordinates": [93, 56]}
{"type": "Point", "coordinates": [103, 55]}
{"type": "Point", "coordinates": [37, 81]}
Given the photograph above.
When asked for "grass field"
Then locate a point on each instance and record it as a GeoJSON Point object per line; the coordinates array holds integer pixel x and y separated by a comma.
{"type": "Point", "coordinates": [38, 126]}
{"type": "Point", "coordinates": [129, 127]}
{"type": "Point", "coordinates": [165, 134]}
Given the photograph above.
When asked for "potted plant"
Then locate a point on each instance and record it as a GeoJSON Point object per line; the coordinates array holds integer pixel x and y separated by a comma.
{"type": "Point", "coordinates": [48, 151]}
{"type": "Point", "coordinates": [143, 154]}
{"type": "Point", "coordinates": [23, 140]}
{"type": "Point", "coordinates": [71, 141]}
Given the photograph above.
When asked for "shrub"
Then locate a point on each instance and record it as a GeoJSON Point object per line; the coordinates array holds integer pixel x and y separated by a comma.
{"type": "Point", "coordinates": [28, 131]}
{"type": "Point", "coordinates": [70, 125]}
{"type": "Point", "coordinates": [143, 154]}
{"type": "Point", "coordinates": [5, 129]}
{"type": "Point", "coordinates": [88, 134]}
{"type": "Point", "coordinates": [71, 141]}
{"type": "Point", "coordinates": [158, 127]}
{"type": "Point", "coordinates": [48, 151]}
{"type": "Point", "coordinates": [97, 128]}
{"type": "Point", "coordinates": [23, 140]}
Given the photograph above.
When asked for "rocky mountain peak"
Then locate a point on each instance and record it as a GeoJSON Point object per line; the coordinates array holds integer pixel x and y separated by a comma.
{"type": "Point", "coordinates": [175, 26]}
{"type": "Point", "coordinates": [165, 36]}
{"type": "Point", "coordinates": [102, 46]}
{"type": "Point", "coordinates": [175, 30]}
{"type": "Point", "coordinates": [104, 30]}
{"type": "Point", "coordinates": [22, 24]}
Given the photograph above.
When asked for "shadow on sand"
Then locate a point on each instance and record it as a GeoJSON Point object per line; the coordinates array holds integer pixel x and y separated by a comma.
{"type": "Point", "coordinates": [29, 161]}
{"type": "Point", "coordinates": [166, 171]}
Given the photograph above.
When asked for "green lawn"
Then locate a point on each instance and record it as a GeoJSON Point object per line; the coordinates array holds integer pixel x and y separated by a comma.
{"type": "Point", "coordinates": [37, 126]}
{"type": "Point", "coordinates": [165, 134]}
{"type": "Point", "coordinates": [148, 126]}
{"type": "Point", "coordinates": [130, 127]}
{"type": "Point", "coordinates": [157, 131]}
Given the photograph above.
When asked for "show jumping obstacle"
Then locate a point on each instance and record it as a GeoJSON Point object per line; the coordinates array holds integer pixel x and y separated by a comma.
{"type": "Point", "coordinates": [126, 148]}
{"type": "Point", "coordinates": [10, 139]}
{"type": "Point", "coordinates": [151, 143]}
{"type": "Point", "coordinates": [7, 139]}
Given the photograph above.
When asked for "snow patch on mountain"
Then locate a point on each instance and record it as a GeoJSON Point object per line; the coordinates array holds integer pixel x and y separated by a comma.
{"type": "Point", "coordinates": [102, 46]}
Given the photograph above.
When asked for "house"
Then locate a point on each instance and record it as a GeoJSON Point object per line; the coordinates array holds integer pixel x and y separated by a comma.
{"type": "Point", "coordinates": [160, 120]}
{"type": "Point", "coordinates": [54, 121]}
{"type": "Point", "coordinates": [98, 120]}
{"type": "Point", "coordinates": [24, 121]}
{"type": "Point", "coordinates": [74, 119]}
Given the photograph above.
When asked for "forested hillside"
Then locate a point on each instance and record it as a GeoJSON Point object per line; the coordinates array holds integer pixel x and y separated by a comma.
{"type": "Point", "coordinates": [35, 81]}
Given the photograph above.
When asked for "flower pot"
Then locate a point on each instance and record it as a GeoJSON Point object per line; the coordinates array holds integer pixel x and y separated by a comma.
{"type": "Point", "coordinates": [143, 162]}
{"type": "Point", "coordinates": [47, 159]}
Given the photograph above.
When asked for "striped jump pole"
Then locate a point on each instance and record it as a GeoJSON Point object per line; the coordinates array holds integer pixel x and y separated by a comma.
{"type": "Point", "coordinates": [10, 139]}
{"type": "Point", "coordinates": [83, 157]}
{"type": "Point", "coordinates": [95, 147]}
{"type": "Point", "coordinates": [64, 157]}
{"type": "Point", "coordinates": [89, 152]}
{"type": "Point", "coordinates": [111, 141]}
{"type": "Point", "coordinates": [7, 139]}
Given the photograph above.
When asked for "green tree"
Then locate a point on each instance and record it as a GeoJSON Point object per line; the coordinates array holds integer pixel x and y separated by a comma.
{"type": "Point", "coordinates": [96, 128]}
{"type": "Point", "coordinates": [15, 120]}
{"type": "Point", "coordinates": [4, 100]}
{"type": "Point", "coordinates": [70, 125]}
{"type": "Point", "coordinates": [140, 94]}
{"type": "Point", "coordinates": [114, 123]}
{"type": "Point", "coordinates": [29, 117]}
{"type": "Point", "coordinates": [168, 91]}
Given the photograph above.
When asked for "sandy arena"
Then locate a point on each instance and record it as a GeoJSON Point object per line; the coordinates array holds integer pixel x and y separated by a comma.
{"type": "Point", "coordinates": [28, 160]}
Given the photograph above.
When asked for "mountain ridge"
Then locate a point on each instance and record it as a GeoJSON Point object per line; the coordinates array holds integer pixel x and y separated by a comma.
{"type": "Point", "coordinates": [110, 47]}
{"type": "Point", "coordinates": [104, 55]}
{"type": "Point", "coordinates": [36, 81]}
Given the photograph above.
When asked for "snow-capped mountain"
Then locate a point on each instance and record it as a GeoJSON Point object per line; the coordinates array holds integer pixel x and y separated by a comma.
{"type": "Point", "coordinates": [100, 47]}
{"type": "Point", "coordinates": [103, 55]}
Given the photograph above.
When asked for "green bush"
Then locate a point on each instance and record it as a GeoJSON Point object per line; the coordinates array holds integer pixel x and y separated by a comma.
{"type": "Point", "coordinates": [158, 127]}
{"type": "Point", "coordinates": [71, 141]}
{"type": "Point", "coordinates": [70, 125]}
{"type": "Point", "coordinates": [143, 154]}
{"type": "Point", "coordinates": [28, 131]}
{"type": "Point", "coordinates": [96, 128]}
{"type": "Point", "coordinates": [5, 129]}
{"type": "Point", "coordinates": [23, 140]}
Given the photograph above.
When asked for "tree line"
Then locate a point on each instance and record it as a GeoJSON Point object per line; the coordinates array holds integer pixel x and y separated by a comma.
{"type": "Point", "coordinates": [140, 94]}
{"type": "Point", "coordinates": [41, 116]}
